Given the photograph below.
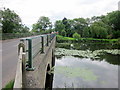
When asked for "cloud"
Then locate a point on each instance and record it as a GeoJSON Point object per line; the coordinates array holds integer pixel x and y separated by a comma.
{"type": "Point", "coordinates": [31, 10]}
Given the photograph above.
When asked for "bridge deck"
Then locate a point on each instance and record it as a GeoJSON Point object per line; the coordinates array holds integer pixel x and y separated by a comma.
{"type": "Point", "coordinates": [37, 78]}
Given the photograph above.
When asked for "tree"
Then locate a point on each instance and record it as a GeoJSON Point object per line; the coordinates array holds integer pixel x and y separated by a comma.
{"type": "Point", "coordinates": [10, 21]}
{"type": "Point", "coordinates": [59, 26]}
{"type": "Point", "coordinates": [42, 24]}
{"type": "Point", "coordinates": [76, 35]}
{"type": "Point", "coordinates": [24, 29]}
{"type": "Point", "coordinates": [86, 32]}
{"type": "Point", "coordinates": [79, 25]}
{"type": "Point", "coordinates": [65, 21]}
{"type": "Point", "coordinates": [63, 33]}
{"type": "Point", "coordinates": [114, 20]}
{"type": "Point", "coordinates": [98, 30]}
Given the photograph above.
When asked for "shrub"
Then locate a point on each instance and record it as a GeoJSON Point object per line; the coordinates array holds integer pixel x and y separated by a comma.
{"type": "Point", "coordinates": [63, 33]}
{"type": "Point", "coordinates": [76, 35]}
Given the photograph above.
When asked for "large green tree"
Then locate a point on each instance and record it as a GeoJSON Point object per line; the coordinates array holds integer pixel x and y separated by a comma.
{"type": "Point", "coordinates": [59, 26]}
{"type": "Point", "coordinates": [10, 21]}
{"type": "Point", "coordinates": [98, 30]}
{"type": "Point", "coordinates": [79, 25]}
{"type": "Point", "coordinates": [67, 25]}
{"type": "Point", "coordinates": [42, 24]}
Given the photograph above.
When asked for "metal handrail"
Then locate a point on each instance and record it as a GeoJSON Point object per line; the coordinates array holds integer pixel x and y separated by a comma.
{"type": "Point", "coordinates": [22, 52]}
{"type": "Point", "coordinates": [33, 50]}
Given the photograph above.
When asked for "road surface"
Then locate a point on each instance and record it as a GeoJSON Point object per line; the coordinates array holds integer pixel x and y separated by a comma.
{"type": "Point", "coordinates": [9, 60]}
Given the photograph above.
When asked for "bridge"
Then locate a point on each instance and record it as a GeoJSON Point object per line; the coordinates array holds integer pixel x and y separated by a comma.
{"type": "Point", "coordinates": [35, 61]}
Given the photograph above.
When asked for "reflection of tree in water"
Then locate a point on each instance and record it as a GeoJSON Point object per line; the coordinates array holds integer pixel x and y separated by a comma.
{"type": "Point", "coordinates": [110, 58]}
{"type": "Point", "coordinates": [59, 57]}
{"type": "Point", "coordinates": [88, 46]}
{"type": "Point", "coordinates": [95, 46]}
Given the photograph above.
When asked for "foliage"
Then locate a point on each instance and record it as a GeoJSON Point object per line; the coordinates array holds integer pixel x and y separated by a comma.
{"type": "Point", "coordinates": [59, 26]}
{"type": "Point", "coordinates": [114, 19]}
{"type": "Point", "coordinates": [16, 35]}
{"type": "Point", "coordinates": [85, 53]}
{"type": "Point", "coordinates": [98, 30]}
{"type": "Point", "coordinates": [42, 24]}
{"type": "Point", "coordinates": [101, 27]}
{"type": "Point", "coordinates": [76, 35]}
{"type": "Point", "coordinates": [63, 45]}
{"type": "Point", "coordinates": [61, 39]}
{"type": "Point", "coordinates": [63, 33]}
{"type": "Point", "coordinates": [10, 21]}
{"type": "Point", "coordinates": [9, 85]}
{"type": "Point", "coordinates": [86, 32]}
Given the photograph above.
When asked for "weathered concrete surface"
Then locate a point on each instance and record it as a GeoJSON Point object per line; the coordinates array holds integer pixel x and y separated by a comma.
{"type": "Point", "coordinates": [9, 60]}
{"type": "Point", "coordinates": [37, 78]}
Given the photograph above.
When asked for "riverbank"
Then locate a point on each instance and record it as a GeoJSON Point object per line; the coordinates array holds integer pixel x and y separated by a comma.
{"type": "Point", "coordinates": [61, 39]}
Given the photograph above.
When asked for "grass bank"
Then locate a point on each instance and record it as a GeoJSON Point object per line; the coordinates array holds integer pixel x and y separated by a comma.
{"type": "Point", "coordinates": [9, 86]}
{"type": "Point", "coordinates": [61, 39]}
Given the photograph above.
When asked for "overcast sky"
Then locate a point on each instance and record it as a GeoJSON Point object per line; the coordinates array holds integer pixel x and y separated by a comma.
{"type": "Point", "coordinates": [31, 10]}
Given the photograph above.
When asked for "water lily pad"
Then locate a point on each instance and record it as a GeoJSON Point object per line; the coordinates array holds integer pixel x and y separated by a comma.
{"type": "Point", "coordinates": [85, 53]}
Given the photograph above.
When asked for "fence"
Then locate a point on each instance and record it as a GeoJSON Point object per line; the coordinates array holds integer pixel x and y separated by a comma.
{"type": "Point", "coordinates": [35, 45]}
{"type": "Point", "coordinates": [27, 50]}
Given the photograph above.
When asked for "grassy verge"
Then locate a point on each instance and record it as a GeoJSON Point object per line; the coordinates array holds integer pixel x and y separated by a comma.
{"type": "Point", "coordinates": [9, 85]}
{"type": "Point", "coordinates": [61, 39]}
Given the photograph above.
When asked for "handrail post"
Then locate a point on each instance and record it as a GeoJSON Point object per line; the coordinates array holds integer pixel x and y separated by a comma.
{"type": "Point", "coordinates": [47, 40]}
{"type": "Point", "coordinates": [30, 66]}
{"type": "Point", "coordinates": [42, 49]}
{"type": "Point", "coordinates": [50, 38]}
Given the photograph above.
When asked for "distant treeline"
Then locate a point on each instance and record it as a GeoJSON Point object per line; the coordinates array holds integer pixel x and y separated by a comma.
{"type": "Point", "coordinates": [104, 26]}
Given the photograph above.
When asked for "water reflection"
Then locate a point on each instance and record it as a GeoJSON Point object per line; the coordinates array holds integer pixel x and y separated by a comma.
{"type": "Point", "coordinates": [88, 46]}
{"type": "Point", "coordinates": [79, 72]}
{"type": "Point", "coordinates": [95, 46]}
{"type": "Point", "coordinates": [111, 59]}
{"type": "Point", "coordinates": [84, 73]}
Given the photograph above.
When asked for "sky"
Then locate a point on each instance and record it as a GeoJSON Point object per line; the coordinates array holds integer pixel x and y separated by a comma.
{"type": "Point", "coordinates": [31, 10]}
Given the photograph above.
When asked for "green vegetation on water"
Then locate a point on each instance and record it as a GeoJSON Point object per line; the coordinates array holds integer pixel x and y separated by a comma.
{"type": "Point", "coordinates": [73, 72]}
{"type": "Point", "coordinates": [85, 53]}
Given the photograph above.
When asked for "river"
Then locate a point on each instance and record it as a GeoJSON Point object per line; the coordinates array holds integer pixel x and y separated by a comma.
{"type": "Point", "coordinates": [87, 65]}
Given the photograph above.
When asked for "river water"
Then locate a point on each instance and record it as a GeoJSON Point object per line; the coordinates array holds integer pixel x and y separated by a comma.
{"type": "Point", "coordinates": [85, 72]}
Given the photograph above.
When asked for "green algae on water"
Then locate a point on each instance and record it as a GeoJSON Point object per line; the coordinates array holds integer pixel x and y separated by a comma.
{"type": "Point", "coordinates": [71, 72]}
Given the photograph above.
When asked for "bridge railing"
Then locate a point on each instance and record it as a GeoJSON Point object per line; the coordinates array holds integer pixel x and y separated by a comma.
{"type": "Point", "coordinates": [21, 59]}
{"type": "Point", "coordinates": [35, 45]}
{"type": "Point", "coordinates": [28, 48]}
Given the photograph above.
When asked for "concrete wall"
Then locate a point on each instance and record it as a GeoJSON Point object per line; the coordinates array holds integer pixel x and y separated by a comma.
{"type": "Point", "coordinates": [42, 63]}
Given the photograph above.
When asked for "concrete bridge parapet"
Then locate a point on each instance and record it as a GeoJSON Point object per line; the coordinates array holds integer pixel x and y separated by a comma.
{"type": "Point", "coordinates": [36, 70]}
{"type": "Point", "coordinates": [42, 63]}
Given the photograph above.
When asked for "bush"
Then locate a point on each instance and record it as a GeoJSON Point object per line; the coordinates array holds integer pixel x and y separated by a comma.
{"type": "Point", "coordinates": [63, 33]}
{"type": "Point", "coordinates": [61, 39]}
{"type": "Point", "coordinates": [76, 35]}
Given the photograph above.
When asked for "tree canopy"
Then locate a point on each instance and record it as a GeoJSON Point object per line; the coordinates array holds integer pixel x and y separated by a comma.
{"type": "Point", "coordinates": [104, 26]}
{"type": "Point", "coordinates": [42, 24]}
{"type": "Point", "coordinates": [11, 22]}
